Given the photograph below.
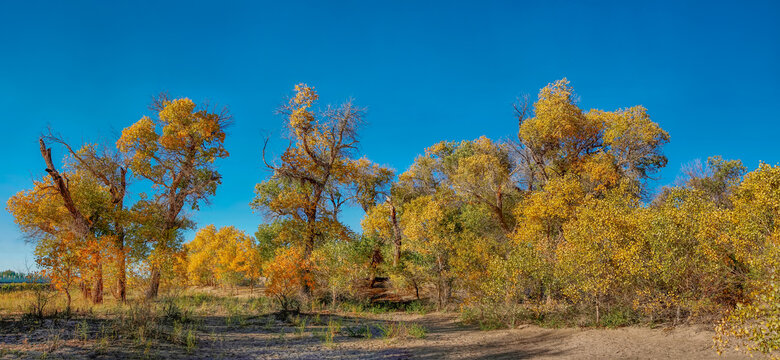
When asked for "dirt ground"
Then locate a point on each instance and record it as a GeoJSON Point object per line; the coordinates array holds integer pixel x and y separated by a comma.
{"type": "Point", "coordinates": [448, 341]}
{"type": "Point", "coordinates": [267, 337]}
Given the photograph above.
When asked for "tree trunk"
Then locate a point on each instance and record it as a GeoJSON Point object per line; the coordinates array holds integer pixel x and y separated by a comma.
{"type": "Point", "coordinates": [122, 276]}
{"type": "Point", "coordinates": [67, 305]}
{"type": "Point", "coordinates": [376, 260]}
{"type": "Point", "coordinates": [438, 295]}
{"type": "Point", "coordinates": [308, 249]}
{"type": "Point", "coordinates": [82, 224]}
{"type": "Point", "coordinates": [122, 279]}
{"type": "Point", "coordinates": [440, 282]}
{"type": "Point", "coordinates": [396, 236]}
{"type": "Point", "coordinates": [86, 291]}
{"type": "Point", "coordinates": [498, 208]}
{"type": "Point", "coordinates": [97, 293]}
{"type": "Point", "coordinates": [677, 316]}
{"type": "Point", "coordinates": [598, 315]}
{"type": "Point", "coordinates": [154, 283]}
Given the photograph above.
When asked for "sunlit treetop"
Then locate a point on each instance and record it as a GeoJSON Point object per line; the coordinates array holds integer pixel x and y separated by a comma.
{"type": "Point", "coordinates": [177, 149]}
{"type": "Point", "coordinates": [604, 146]}
{"type": "Point", "coordinates": [40, 211]}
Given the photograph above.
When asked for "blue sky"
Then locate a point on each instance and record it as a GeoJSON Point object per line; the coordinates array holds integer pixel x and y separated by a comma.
{"type": "Point", "coordinates": [707, 71]}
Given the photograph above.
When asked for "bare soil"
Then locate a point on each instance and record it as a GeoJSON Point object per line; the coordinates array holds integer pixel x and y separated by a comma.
{"type": "Point", "coordinates": [268, 337]}
{"type": "Point", "coordinates": [449, 341]}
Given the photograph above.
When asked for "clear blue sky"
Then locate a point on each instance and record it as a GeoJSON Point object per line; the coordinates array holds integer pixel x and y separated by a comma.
{"type": "Point", "coordinates": [708, 72]}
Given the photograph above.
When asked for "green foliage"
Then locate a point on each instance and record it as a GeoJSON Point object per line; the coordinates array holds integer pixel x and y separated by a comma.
{"type": "Point", "coordinates": [619, 317]}
{"type": "Point", "coordinates": [417, 331]}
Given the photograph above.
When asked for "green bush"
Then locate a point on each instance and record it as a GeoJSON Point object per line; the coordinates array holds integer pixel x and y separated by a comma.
{"type": "Point", "coordinates": [418, 331]}
{"type": "Point", "coordinates": [619, 317]}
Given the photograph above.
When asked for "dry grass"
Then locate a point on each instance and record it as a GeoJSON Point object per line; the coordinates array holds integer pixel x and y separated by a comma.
{"type": "Point", "coordinates": [212, 323]}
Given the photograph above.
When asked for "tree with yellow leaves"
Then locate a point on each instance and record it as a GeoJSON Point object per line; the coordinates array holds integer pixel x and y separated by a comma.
{"type": "Point", "coordinates": [202, 256]}
{"type": "Point", "coordinates": [64, 248]}
{"type": "Point", "coordinates": [247, 261]}
{"type": "Point", "coordinates": [603, 253]}
{"type": "Point", "coordinates": [222, 256]}
{"type": "Point", "coordinates": [176, 152]}
{"type": "Point", "coordinates": [754, 325]}
{"type": "Point", "coordinates": [455, 204]}
{"type": "Point", "coordinates": [541, 217]}
{"type": "Point", "coordinates": [312, 178]}
{"type": "Point", "coordinates": [109, 169]}
{"type": "Point", "coordinates": [600, 146]}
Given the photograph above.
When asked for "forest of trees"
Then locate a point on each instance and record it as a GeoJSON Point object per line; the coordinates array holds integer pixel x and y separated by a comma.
{"type": "Point", "coordinates": [562, 216]}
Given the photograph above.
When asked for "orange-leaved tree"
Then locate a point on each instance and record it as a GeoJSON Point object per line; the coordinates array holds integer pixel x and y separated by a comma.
{"type": "Point", "coordinates": [285, 278]}
{"type": "Point", "coordinates": [65, 249]}
{"type": "Point", "coordinates": [109, 169]}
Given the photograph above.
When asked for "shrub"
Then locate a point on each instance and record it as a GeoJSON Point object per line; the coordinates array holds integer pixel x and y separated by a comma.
{"type": "Point", "coordinates": [418, 331]}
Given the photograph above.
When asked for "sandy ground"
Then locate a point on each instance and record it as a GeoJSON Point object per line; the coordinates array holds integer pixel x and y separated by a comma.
{"type": "Point", "coordinates": [264, 337]}
{"type": "Point", "coordinates": [448, 341]}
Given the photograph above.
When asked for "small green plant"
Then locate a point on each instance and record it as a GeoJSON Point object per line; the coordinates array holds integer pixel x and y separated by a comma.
{"type": "Point", "coordinates": [329, 334]}
{"type": "Point", "coordinates": [258, 305]}
{"type": "Point", "coordinates": [316, 305]}
{"type": "Point", "coordinates": [141, 334]}
{"type": "Point", "coordinates": [491, 324]}
{"type": "Point", "coordinates": [82, 330]}
{"type": "Point", "coordinates": [172, 312]}
{"type": "Point", "coordinates": [334, 326]}
{"type": "Point", "coordinates": [377, 309]}
{"type": "Point", "coordinates": [191, 341]}
{"type": "Point", "coordinates": [177, 333]}
{"type": "Point", "coordinates": [102, 344]}
{"type": "Point", "coordinates": [618, 318]}
{"type": "Point", "coordinates": [359, 331]}
{"type": "Point", "coordinates": [242, 320]}
{"type": "Point", "coordinates": [201, 298]}
{"type": "Point", "coordinates": [416, 307]}
{"type": "Point", "coordinates": [148, 349]}
{"type": "Point", "coordinates": [352, 331]}
{"type": "Point", "coordinates": [301, 327]}
{"type": "Point", "coordinates": [391, 330]}
{"type": "Point", "coordinates": [54, 344]}
{"type": "Point", "coordinates": [418, 331]}
{"type": "Point", "coordinates": [357, 308]}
